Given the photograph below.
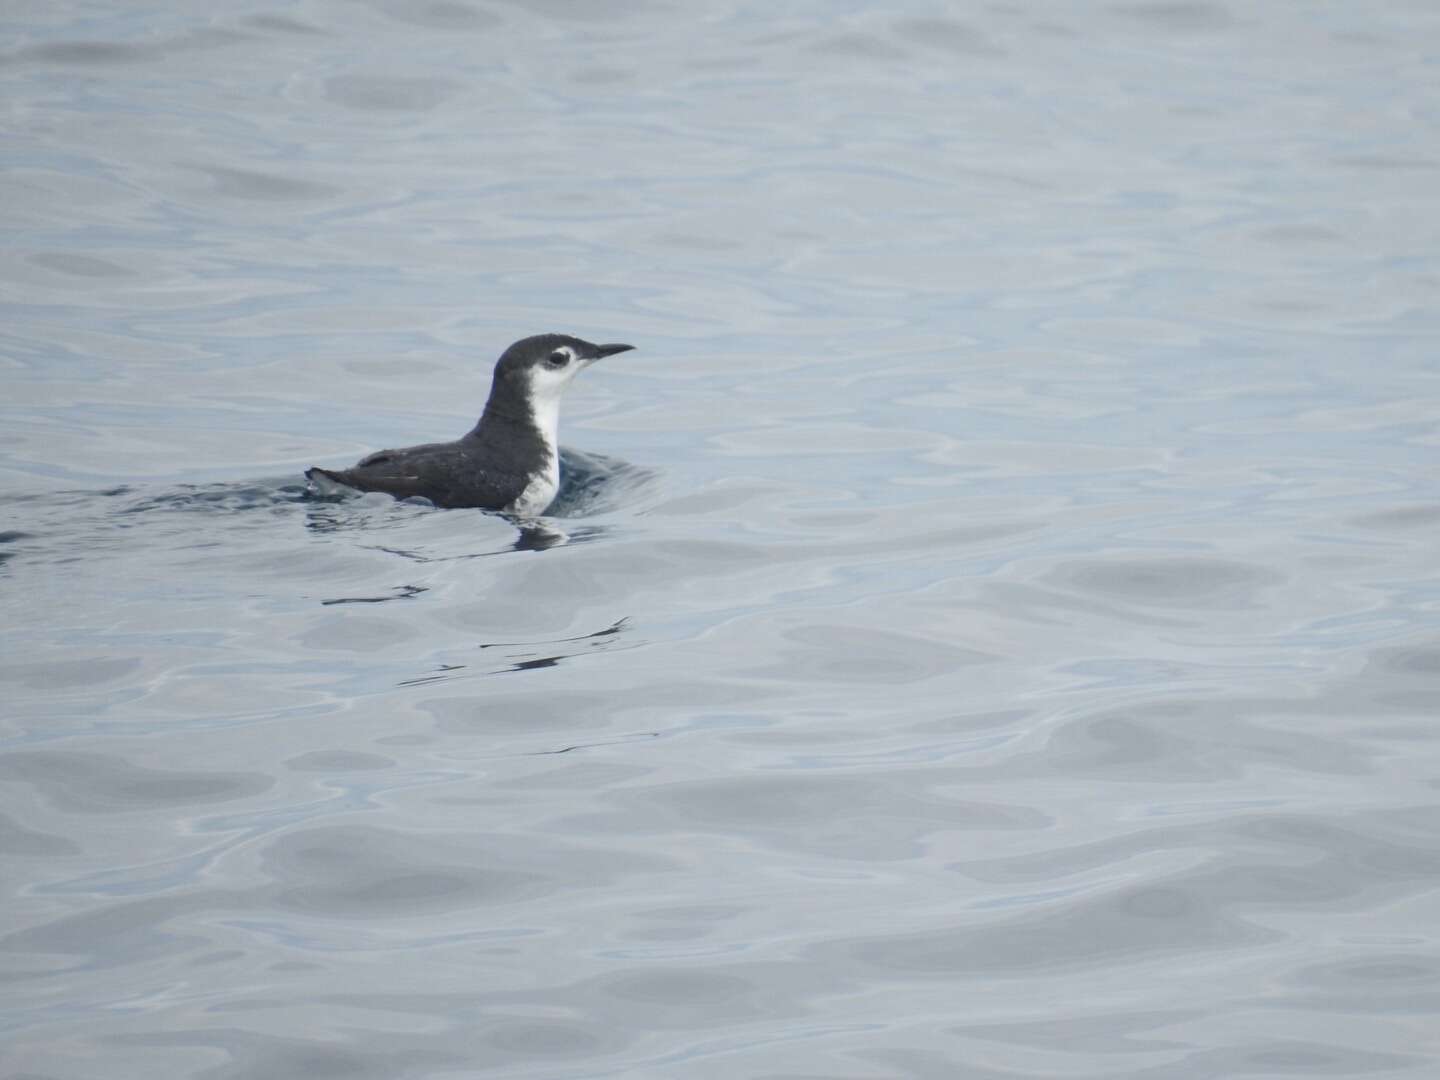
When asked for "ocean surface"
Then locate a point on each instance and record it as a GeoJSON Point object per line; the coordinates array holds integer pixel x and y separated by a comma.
{"type": "Point", "coordinates": [990, 630]}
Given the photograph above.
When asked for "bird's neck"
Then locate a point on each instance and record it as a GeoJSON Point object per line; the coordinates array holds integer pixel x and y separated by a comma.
{"type": "Point", "coordinates": [512, 420]}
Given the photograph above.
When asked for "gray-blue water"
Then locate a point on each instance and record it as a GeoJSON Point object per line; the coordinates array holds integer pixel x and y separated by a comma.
{"type": "Point", "coordinates": [996, 634]}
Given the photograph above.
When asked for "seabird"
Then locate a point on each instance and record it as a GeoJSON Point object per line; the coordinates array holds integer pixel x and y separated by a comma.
{"type": "Point", "coordinates": [509, 461]}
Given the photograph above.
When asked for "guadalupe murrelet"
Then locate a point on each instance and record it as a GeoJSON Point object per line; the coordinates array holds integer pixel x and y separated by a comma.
{"type": "Point", "coordinates": [509, 460]}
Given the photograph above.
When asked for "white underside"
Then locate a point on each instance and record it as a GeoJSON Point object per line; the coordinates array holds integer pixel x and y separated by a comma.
{"type": "Point", "coordinates": [539, 493]}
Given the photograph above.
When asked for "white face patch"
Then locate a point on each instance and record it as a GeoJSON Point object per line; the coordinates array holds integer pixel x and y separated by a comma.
{"type": "Point", "coordinates": [548, 383]}
{"type": "Point", "coordinates": [547, 386]}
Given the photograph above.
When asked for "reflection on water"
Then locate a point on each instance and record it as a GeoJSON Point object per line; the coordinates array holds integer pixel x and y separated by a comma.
{"type": "Point", "coordinates": [990, 629]}
{"type": "Point", "coordinates": [68, 524]}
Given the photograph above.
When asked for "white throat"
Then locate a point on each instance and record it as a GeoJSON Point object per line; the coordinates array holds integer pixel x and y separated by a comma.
{"type": "Point", "coordinates": [545, 393]}
{"type": "Point", "coordinates": [545, 409]}
{"type": "Point", "coordinates": [546, 389]}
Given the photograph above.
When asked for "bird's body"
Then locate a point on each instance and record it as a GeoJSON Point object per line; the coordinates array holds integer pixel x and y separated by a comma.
{"type": "Point", "coordinates": [510, 460]}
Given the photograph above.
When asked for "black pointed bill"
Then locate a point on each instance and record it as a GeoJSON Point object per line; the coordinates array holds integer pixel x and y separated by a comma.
{"type": "Point", "coordinates": [611, 350]}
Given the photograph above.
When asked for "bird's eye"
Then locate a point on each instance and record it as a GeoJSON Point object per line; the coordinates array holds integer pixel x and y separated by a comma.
{"type": "Point", "coordinates": [558, 359]}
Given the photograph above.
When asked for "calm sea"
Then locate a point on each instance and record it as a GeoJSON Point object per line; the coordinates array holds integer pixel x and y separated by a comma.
{"type": "Point", "coordinates": [991, 630]}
